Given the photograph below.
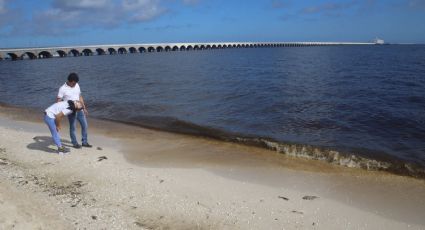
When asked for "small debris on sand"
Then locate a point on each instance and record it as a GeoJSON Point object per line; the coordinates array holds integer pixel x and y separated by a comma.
{"type": "Point", "coordinates": [102, 158]}
{"type": "Point", "coordinates": [297, 212]}
{"type": "Point", "coordinates": [138, 224]}
{"type": "Point", "coordinates": [310, 197]}
{"type": "Point", "coordinates": [99, 148]}
{"type": "Point", "coordinates": [4, 161]}
{"type": "Point", "coordinates": [283, 198]}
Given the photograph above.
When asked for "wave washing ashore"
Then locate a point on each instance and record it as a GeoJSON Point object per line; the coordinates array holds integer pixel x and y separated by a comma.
{"type": "Point", "coordinates": [354, 106]}
{"type": "Point", "coordinates": [137, 178]}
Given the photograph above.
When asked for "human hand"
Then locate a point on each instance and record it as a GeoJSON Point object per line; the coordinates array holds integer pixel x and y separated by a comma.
{"type": "Point", "coordinates": [58, 128]}
{"type": "Point", "coordinates": [85, 112]}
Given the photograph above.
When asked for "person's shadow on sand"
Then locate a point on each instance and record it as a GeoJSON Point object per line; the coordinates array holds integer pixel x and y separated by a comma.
{"type": "Point", "coordinates": [45, 143]}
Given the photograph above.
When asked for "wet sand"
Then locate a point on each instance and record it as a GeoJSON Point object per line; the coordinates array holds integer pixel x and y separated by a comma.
{"type": "Point", "coordinates": [135, 178]}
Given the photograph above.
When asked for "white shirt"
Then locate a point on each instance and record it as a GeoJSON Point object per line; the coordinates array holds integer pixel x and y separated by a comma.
{"type": "Point", "coordinates": [67, 92]}
{"type": "Point", "coordinates": [57, 108]}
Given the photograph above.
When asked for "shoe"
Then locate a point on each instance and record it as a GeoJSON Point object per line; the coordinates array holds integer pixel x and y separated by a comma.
{"type": "Point", "coordinates": [87, 145]}
{"type": "Point", "coordinates": [62, 150]}
{"type": "Point", "coordinates": [77, 146]}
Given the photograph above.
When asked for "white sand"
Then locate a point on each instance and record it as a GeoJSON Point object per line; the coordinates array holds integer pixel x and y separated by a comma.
{"type": "Point", "coordinates": [157, 180]}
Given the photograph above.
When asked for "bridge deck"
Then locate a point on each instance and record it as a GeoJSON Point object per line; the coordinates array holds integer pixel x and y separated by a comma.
{"type": "Point", "coordinates": [89, 50]}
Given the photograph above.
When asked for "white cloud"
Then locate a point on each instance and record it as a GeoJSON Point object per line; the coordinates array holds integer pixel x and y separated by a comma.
{"type": "Point", "coordinates": [327, 7]}
{"type": "Point", "coordinates": [81, 4]}
{"type": "Point", "coordinates": [64, 17]}
{"type": "Point", "coordinates": [8, 17]}
{"type": "Point", "coordinates": [279, 4]}
{"type": "Point", "coordinates": [142, 10]}
{"type": "Point", "coordinates": [3, 9]}
{"type": "Point", "coordinates": [417, 4]}
{"type": "Point", "coordinates": [138, 4]}
{"type": "Point", "coordinates": [191, 2]}
{"type": "Point", "coordinates": [101, 13]}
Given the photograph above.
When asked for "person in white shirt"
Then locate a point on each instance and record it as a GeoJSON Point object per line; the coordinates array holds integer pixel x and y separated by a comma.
{"type": "Point", "coordinates": [53, 116]}
{"type": "Point", "coordinates": [71, 91]}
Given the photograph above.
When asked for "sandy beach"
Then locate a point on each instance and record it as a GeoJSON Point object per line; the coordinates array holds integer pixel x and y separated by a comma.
{"type": "Point", "coordinates": [135, 178]}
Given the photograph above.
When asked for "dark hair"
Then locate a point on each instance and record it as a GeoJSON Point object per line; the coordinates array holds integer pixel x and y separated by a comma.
{"type": "Point", "coordinates": [73, 77]}
{"type": "Point", "coordinates": [72, 107]}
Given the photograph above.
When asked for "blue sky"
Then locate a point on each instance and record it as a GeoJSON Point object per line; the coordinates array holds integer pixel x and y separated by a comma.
{"type": "Point", "coordinates": [29, 23]}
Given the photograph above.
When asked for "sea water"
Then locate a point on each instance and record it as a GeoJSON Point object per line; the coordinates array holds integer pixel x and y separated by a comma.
{"type": "Point", "coordinates": [323, 102]}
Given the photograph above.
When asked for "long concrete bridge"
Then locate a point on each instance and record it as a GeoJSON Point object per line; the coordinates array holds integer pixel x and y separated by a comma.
{"type": "Point", "coordinates": [49, 52]}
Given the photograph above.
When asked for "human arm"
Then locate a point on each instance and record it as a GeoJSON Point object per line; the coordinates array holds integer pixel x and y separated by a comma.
{"type": "Point", "coordinates": [86, 112]}
{"type": "Point", "coordinates": [60, 95]}
{"type": "Point", "coordinates": [58, 118]}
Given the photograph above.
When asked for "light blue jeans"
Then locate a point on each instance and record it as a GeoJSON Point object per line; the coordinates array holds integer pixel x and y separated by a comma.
{"type": "Point", "coordinates": [81, 117]}
{"type": "Point", "coordinates": [52, 127]}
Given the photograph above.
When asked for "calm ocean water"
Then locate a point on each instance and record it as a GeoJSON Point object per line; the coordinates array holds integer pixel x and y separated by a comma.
{"type": "Point", "coordinates": [368, 100]}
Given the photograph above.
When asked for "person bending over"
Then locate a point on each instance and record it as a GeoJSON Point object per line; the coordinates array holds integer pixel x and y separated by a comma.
{"type": "Point", "coordinates": [53, 116]}
{"type": "Point", "coordinates": [71, 91]}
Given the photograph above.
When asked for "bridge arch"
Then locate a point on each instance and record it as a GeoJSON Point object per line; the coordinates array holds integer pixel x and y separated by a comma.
{"type": "Point", "coordinates": [196, 47]}
{"type": "Point", "coordinates": [189, 48]}
{"type": "Point", "coordinates": [175, 48]}
{"type": "Point", "coordinates": [202, 47]}
{"type": "Point", "coordinates": [142, 50]}
{"type": "Point", "coordinates": [61, 53]}
{"type": "Point", "coordinates": [45, 54]}
{"type": "Point", "coordinates": [28, 55]}
{"type": "Point", "coordinates": [112, 51]}
{"type": "Point", "coordinates": [182, 48]}
{"type": "Point", "coordinates": [13, 56]}
{"type": "Point", "coordinates": [87, 52]}
{"type": "Point", "coordinates": [132, 50]}
{"type": "Point", "coordinates": [159, 49]}
{"type": "Point", "coordinates": [167, 49]}
{"type": "Point", "coordinates": [151, 49]}
{"type": "Point", "coordinates": [122, 50]}
{"type": "Point", "coordinates": [100, 51]}
{"type": "Point", "coordinates": [74, 53]}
